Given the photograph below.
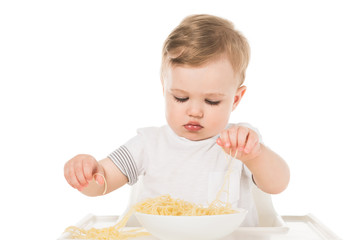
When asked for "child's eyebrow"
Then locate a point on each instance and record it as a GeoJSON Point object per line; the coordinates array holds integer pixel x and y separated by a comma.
{"type": "Point", "coordinates": [180, 91]}
{"type": "Point", "coordinates": [214, 94]}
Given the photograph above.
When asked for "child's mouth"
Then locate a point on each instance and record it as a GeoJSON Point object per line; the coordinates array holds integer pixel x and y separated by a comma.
{"type": "Point", "coordinates": [193, 127]}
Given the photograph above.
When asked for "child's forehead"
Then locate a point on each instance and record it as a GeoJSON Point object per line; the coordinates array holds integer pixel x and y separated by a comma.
{"type": "Point", "coordinates": [211, 60]}
{"type": "Point", "coordinates": [216, 93]}
{"type": "Point", "coordinates": [218, 69]}
{"type": "Point", "coordinates": [213, 78]}
{"type": "Point", "coordinates": [220, 63]}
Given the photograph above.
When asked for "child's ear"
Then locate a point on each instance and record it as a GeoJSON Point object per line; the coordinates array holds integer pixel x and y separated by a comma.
{"type": "Point", "coordinates": [238, 96]}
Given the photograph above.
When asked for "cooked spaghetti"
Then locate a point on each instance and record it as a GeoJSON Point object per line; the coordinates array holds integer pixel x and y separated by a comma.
{"type": "Point", "coordinates": [168, 206]}
{"type": "Point", "coordinates": [162, 205]}
{"type": "Point", "coordinates": [116, 232]}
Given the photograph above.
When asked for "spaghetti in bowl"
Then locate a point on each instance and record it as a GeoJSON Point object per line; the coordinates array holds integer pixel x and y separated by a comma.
{"type": "Point", "coordinates": [208, 227]}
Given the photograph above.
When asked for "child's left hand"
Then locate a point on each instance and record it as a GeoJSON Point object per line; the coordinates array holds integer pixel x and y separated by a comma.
{"type": "Point", "coordinates": [242, 139]}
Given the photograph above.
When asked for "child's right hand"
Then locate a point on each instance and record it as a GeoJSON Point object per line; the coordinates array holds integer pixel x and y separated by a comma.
{"type": "Point", "coordinates": [80, 170]}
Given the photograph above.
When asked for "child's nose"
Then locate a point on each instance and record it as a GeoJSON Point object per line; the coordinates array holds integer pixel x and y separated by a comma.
{"type": "Point", "coordinates": [195, 110]}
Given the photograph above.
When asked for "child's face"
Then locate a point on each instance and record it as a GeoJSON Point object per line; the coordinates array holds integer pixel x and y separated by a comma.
{"type": "Point", "coordinates": [199, 100]}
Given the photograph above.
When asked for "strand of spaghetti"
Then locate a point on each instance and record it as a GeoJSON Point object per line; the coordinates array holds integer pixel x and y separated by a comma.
{"type": "Point", "coordinates": [227, 179]}
{"type": "Point", "coordinates": [105, 182]}
{"type": "Point", "coordinates": [228, 160]}
{"type": "Point", "coordinates": [227, 175]}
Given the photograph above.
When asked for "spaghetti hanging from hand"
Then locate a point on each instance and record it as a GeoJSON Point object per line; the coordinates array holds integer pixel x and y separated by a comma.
{"type": "Point", "coordinates": [162, 205]}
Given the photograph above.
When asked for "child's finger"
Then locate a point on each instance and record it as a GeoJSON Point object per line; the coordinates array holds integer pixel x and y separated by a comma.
{"type": "Point", "coordinates": [80, 173]}
{"type": "Point", "coordinates": [242, 137]}
{"type": "Point", "coordinates": [99, 175]}
{"type": "Point", "coordinates": [68, 176]}
{"type": "Point", "coordinates": [251, 142]}
{"type": "Point", "coordinates": [219, 142]}
{"type": "Point", "coordinates": [232, 133]}
{"type": "Point", "coordinates": [89, 167]}
{"type": "Point", "coordinates": [224, 135]}
{"type": "Point", "coordinates": [72, 179]}
{"type": "Point", "coordinates": [99, 178]}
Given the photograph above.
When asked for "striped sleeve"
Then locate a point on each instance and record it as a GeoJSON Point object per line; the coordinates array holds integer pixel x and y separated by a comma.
{"type": "Point", "coordinates": [123, 159]}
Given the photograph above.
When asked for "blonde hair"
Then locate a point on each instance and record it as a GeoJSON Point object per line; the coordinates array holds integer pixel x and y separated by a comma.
{"type": "Point", "coordinates": [201, 38]}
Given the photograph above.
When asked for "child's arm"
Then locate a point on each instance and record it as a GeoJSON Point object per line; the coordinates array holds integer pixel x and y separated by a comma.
{"type": "Point", "coordinates": [271, 173]}
{"type": "Point", "coordinates": [80, 171]}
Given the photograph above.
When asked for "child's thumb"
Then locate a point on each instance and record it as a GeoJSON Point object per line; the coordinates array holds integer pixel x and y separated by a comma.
{"type": "Point", "coordinates": [99, 177]}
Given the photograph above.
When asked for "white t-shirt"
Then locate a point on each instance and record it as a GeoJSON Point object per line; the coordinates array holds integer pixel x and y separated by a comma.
{"type": "Point", "coordinates": [190, 170]}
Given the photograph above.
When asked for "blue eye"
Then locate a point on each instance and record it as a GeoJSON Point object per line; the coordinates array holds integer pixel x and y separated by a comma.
{"type": "Point", "coordinates": [212, 102]}
{"type": "Point", "coordinates": [181, 100]}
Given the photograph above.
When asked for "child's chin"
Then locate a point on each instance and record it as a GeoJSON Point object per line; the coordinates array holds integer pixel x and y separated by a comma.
{"type": "Point", "coordinates": [196, 136]}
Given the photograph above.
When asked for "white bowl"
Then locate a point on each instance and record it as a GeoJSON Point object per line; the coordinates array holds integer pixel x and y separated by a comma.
{"type": "Point", "coordinates": [191, 227]}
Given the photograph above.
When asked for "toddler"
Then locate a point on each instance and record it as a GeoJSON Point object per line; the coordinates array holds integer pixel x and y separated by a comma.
{"type": "Point", "coordinates": [203, 69]}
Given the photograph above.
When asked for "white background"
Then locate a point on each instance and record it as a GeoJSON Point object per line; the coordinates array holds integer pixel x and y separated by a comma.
{"type": "Point", "coordinates": [82, 76]}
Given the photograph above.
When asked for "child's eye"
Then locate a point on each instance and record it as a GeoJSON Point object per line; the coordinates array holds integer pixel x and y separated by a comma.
{"type": "Point", "coordinates": [178, 99]}
{"type": "Point", "coordinates": [212, 102]}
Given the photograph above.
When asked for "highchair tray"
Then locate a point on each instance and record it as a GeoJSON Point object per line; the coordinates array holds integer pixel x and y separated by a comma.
{"type": "Point", "coordinates": [305, 227]}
